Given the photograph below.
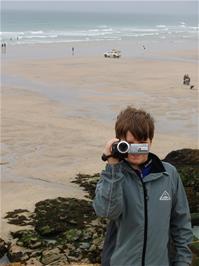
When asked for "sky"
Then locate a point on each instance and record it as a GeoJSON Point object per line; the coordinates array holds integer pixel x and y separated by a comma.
{"type": "Point", "coordinates": [147, 6]}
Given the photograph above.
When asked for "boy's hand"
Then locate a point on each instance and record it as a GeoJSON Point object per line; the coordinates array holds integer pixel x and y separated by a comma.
{"type": "Point", "coordinates": [108, 149]}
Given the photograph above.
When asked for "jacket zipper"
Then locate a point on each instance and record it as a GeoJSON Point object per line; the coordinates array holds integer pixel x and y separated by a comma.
{"type": "Point", "coordinates": [145, 222]}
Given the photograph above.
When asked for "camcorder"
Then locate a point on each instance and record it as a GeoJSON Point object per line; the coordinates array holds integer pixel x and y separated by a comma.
{"type": "Point", "coordinates": [121, 149]}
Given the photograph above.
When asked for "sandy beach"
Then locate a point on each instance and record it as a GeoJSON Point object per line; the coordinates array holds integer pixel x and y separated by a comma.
{"type": "Point", "coordinates": [58, 112]}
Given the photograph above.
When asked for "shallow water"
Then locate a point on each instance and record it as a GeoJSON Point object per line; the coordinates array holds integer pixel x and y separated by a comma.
{"type": "Point", "coordinates": [99, 105]}
{"type": "Point", "coordinates": [4, 260]}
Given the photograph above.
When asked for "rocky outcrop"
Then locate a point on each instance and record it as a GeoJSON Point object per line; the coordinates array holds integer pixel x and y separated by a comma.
{"type": "Point", "coordinates": [17, 253]}
{"type": "Point", "coordinates": [20, 217]}
{"type": "Point", "coordinates": [183, 157]}
{"type": "Point", "coordinates": [88, 183]}
{"type": "Point", "coordinates": [187, 164]}
{"type": "Point", "coordinates": [65, 230]}
{"type": "Point", "coordinates": [55, 216]}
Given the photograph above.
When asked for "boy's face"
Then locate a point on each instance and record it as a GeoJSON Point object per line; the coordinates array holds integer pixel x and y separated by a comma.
{"type": "Point", "coordinates": [136, 159]}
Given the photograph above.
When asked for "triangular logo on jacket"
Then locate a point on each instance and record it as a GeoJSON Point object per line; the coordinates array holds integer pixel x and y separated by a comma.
{"type": "Point", "coordinates": [165, 196]}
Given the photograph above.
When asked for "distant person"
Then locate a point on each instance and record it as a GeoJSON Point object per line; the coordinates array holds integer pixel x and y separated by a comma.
{"type": "Point", "coordinates": [73, 50]}
{"type": "Point", "coordinates": [144, 47]}
{"type": "Point", "coordinates": [186, 80]}
{"type": "Point", "coordinates": [144, 199]}
{"type": "Point", "coordinates": [3, 48]}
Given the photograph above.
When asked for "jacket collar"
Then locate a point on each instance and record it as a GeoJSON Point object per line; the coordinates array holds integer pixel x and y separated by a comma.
{"type": "Point", "coordinates": [155, 164]}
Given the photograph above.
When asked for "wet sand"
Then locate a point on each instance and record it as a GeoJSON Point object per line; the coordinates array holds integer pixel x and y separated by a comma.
{"type": "Point", "coordinates": [57, 114]}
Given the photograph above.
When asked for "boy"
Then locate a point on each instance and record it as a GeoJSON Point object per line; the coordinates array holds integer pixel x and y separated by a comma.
{"type": "Point", "coordinates": [145, 201]}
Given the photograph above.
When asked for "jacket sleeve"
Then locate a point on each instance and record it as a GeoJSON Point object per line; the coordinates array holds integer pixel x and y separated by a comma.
{"type": "Point", "coordinates": [108, 201]}
{"type": "Point", "coordinates": [181, 230]}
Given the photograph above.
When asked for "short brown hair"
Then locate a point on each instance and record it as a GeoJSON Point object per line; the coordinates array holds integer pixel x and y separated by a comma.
{"type": "Point", "coordinates": [137, 121]}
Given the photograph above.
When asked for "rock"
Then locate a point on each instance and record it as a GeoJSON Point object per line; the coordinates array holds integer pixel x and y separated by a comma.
{"type": "Point", "coordinates": [66, 213]}
{"type": "Point", "coordinates": [193, 199]}
{"type": "Point", "coordinates": [195, 246]}
{"type": "Point", "coordinates": [20, 217]}
{"type": "Point", "coordinates": [52, 255]}
{"type": "Point", "coordinates": [67, 238]}
{"type": "Point", "coordinates": [29, 239]}
{"type": "Point", "coordinates": [195, 260]}
{"type": "Point", "coordinates": [33, 262]}
{"type": "Point", "coordinates": [84, 245]}
{"type": "Point", "coordinates": [61, 262]}
{"type": "Point", "coordinates": [74, 258]}
{"type": "Point", "coordinates": [183, 157]}
{"type": "Point", "coordinates": [17, 254]}
{"type": "Point", "coordinates": [3, 247]}
{"type": "Point", "coordinates": [88, 182]}
{"type": "Point", "coordinates": [195, 219]}
{"type": "Point", "coordinates": [72, 235]}
{"type": "Point", "coordinates": [187, 163]}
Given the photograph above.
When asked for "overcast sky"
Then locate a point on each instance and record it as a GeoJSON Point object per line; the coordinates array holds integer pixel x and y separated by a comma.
{"type": "Point", "coordinates": [160, 6]}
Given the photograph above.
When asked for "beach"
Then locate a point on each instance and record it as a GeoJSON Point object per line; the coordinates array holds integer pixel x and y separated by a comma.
{"type": "Point", "coordinates": [60, 97]}
{"type": "Point", "coordinates": [58, 112]}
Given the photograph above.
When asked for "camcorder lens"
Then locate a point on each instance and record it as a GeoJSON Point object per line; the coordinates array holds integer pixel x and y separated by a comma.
{"type": "Point", "coordinates": [123, 147]}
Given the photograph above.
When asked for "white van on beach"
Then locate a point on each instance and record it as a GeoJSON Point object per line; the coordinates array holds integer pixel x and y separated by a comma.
{"type": "Point", "coordinates": [114, 53]}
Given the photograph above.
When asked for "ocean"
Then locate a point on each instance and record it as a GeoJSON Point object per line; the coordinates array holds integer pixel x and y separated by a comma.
{"type": "Point", "coordinates": [48, 26]}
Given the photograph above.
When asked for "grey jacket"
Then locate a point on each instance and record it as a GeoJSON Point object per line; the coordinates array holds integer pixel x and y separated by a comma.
{"type": "Point", "coordinates": [148, 213]}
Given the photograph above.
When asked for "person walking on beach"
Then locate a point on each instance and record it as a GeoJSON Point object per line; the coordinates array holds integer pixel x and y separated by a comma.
{"type": "Point", "coordinates": [144, 199]}
{"type": "Point", "coordinates": [3, 48]}
{"type": "Point", "coordinates": [186, 80]}
{"type": "Point", "coordinates": [73, 50]}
